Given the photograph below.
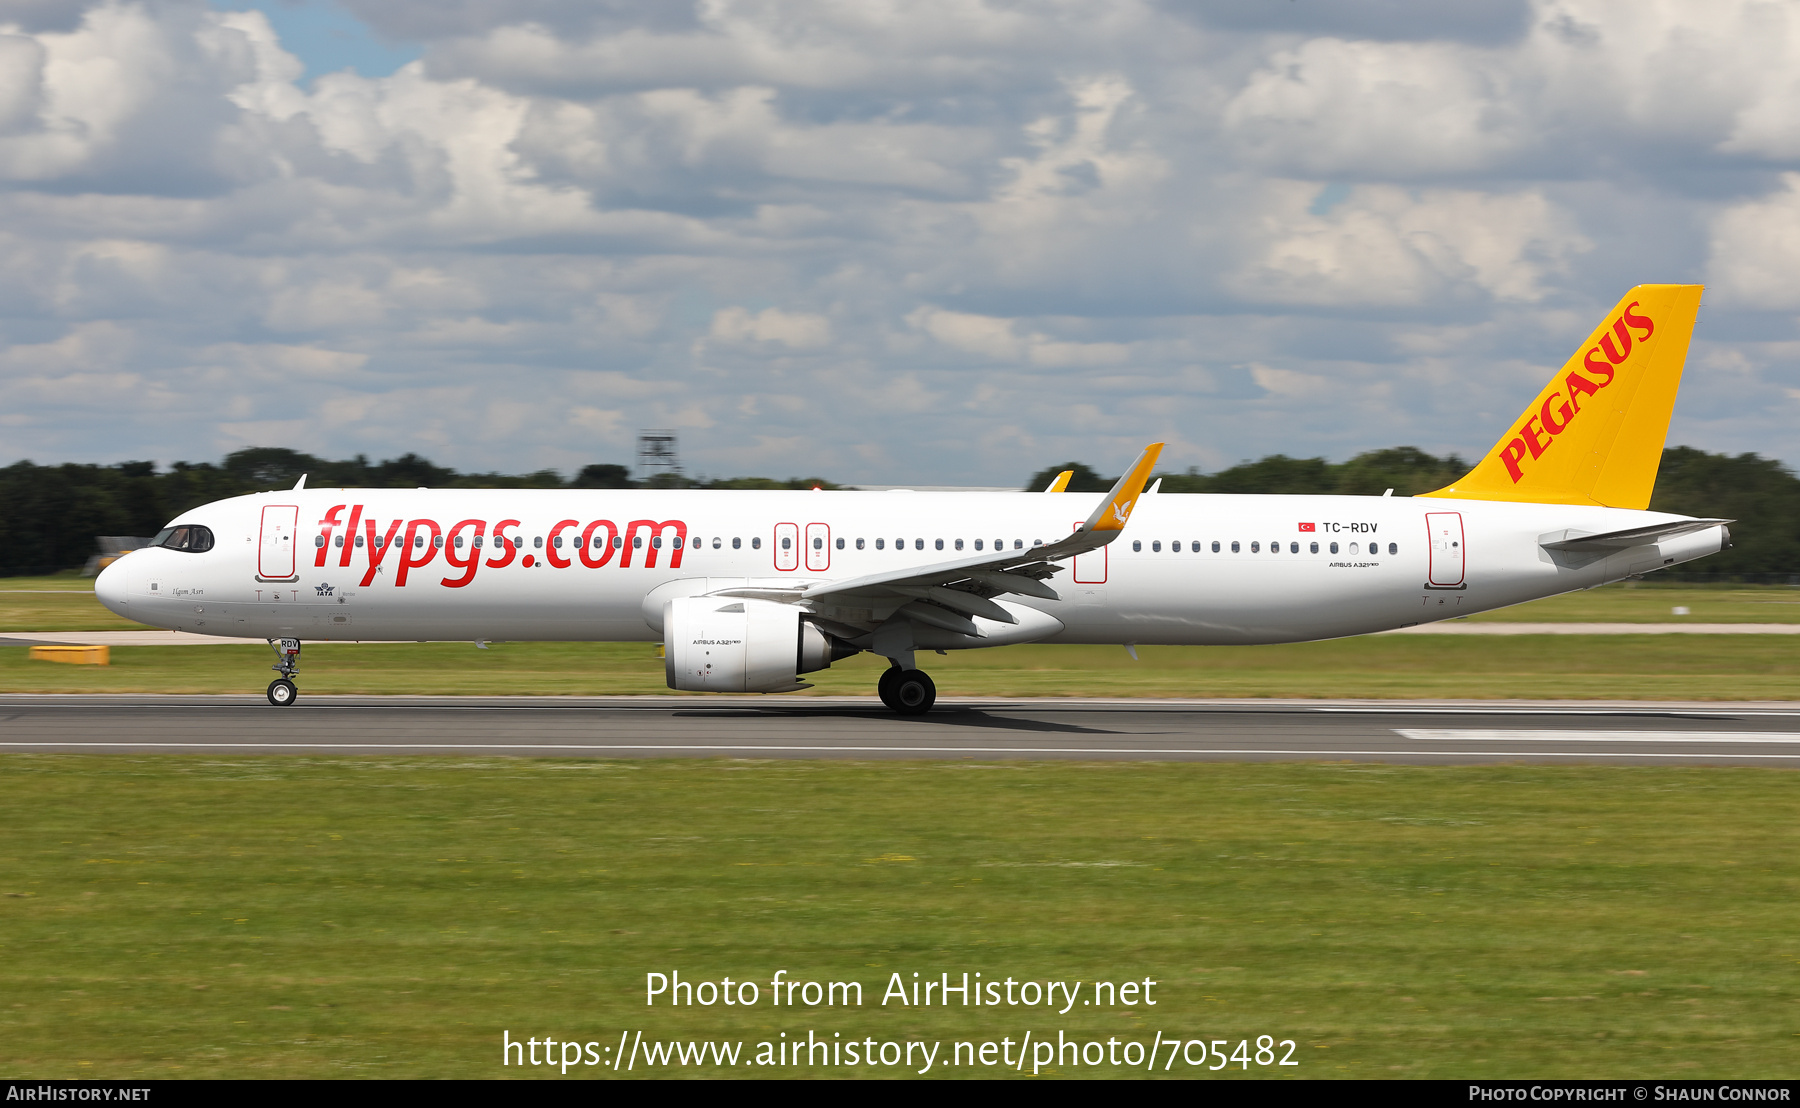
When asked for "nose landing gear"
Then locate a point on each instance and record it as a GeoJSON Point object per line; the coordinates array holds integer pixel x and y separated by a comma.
{"type": "Point", "coordinates": [907, 691]}
{"type": "Point", "coordinates": [282, 690]}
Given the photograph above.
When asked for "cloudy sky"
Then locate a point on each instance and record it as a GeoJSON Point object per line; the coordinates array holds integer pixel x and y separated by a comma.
{"type": "Point", "coordinates": [942, 241]}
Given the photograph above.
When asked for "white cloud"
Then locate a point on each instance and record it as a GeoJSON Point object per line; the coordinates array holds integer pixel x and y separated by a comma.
{"type": "Point", "coordinates": [799, 330]}
{"type": "Point", "coordinates": [922, 239]}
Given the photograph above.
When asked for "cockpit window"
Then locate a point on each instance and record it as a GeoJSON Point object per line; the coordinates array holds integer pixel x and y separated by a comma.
{"type": "Point", "coordinates": [191, 538]}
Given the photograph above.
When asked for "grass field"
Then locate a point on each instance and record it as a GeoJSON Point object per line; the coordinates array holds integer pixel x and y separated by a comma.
{"type": "Point", "coordinates": [1634, 667]}
{"type": "Point", "coordinates": [364, 917]}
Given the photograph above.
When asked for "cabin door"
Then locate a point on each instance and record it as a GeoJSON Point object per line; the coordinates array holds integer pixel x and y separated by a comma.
{"type": "Point", "coordinates": [275, 555]}
{"type": "Point", "coordinates": [1445, 530]}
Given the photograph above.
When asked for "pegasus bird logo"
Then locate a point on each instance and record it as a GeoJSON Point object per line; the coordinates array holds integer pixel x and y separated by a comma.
{"type": "Point", "coordinates": [1122, 512]}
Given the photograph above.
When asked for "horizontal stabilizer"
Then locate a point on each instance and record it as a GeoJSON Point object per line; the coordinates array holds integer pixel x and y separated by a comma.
{"type": "Point", "coordinates": [1632, 536]}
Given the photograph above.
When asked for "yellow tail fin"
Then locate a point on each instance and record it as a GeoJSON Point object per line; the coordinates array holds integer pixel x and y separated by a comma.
{"type": "Point", "coordinates": [1595, 434]}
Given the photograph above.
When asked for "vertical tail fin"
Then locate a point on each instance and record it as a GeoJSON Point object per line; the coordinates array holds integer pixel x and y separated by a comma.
{"type": "Point", "coordinates": [1595, 434]}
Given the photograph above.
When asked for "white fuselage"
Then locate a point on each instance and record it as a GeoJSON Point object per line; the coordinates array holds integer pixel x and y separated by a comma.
{"type": "Point", "coordinates": [267, 577]}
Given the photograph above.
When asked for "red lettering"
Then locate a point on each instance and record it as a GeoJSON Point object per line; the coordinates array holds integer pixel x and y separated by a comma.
{"type": "Point", "coordinates": [1598, 365]}
{"type": "Point", "coordinates": [378, 548]}
{"type": "Point", "coordinates": [412, 543]}
{"type": "Point", "coordinates": [587, 543]}
{"type": "Point", "coordinates": [1534, 437]}
{"type": "Point", "coordinates": [1552, 424]}
{"type": "Point", "coordinates": [550, 552]}
{"type": "Point", "coordinates": [656, 530]}
{"type": "Point", "coordinates": [1513, 451]}
{"type": "Point", "coordinates": [1606, 343]}
{"type": "Point", "coordinates": [350, 536]}
{"type": "Point", "coordinates": [501, 541]}
{"type": "Point", "coordinates": [1579, 384]}
{"type": "Point", "coordinates": [329, 522]}
{"type": "Point", "coordinates": [1643, 321]}
{"type": "Point", "coordinates": [474, 561]}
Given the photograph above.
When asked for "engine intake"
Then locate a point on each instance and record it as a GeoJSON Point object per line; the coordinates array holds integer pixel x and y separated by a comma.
{"type": "Point", "coordinates": [724, 644]}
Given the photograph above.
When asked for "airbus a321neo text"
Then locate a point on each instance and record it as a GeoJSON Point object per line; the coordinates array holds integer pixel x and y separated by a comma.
{"type": "Point", "coordinates": [749, 590]}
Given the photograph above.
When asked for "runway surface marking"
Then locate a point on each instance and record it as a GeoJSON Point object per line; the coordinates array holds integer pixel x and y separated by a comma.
{"type": "Point", "coordinates": [1438, 735]}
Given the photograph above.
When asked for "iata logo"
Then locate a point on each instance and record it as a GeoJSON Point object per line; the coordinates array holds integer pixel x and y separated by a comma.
{"type": "Point", "coordinates": [1557, 413]}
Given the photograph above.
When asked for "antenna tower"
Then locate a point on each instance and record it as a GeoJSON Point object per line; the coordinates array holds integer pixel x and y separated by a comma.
{"type": "Point", "coordinates": [656, 453]}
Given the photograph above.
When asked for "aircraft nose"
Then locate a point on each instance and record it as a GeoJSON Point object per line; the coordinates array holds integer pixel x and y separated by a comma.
{"type": "Point", "coordinates": [110, 590]}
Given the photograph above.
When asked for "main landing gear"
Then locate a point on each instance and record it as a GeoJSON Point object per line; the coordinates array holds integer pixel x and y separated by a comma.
{"type": "Point", "coordinates": [282, 690]}
{"type": "Point", "coordinates": [907, 691]}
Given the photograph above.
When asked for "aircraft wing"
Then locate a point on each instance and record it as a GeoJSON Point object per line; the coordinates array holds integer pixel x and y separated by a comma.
{"type": "Point", "coordinates": [1632, 536]}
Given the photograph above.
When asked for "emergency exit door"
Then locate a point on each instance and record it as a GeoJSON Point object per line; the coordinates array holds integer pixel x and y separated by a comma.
{"type": "Point", "coordinates": [275, 555]}
{"type": "Point", "coordinates": [1447, 554]}
{"type": "Point", "coordinates": [818, 547]}
{"type": "Point", "coordinates": [787, 547]}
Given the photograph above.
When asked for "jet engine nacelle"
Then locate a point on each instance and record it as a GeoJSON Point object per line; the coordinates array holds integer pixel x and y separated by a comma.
{"type": "Point", "coordinates": [726, 644]}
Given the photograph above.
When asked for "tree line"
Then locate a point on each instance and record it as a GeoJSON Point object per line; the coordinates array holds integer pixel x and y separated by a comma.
{"type": "Point", "coordinates": [51, 516]}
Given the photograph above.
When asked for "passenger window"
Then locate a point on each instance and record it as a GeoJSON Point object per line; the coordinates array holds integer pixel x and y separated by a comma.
{"type": "Point", "coordinates": [840, 544]}
{"type": "Point", "coordinates": [1293, 548]}
{"type": "Point", "coordinates": [637, 542]}
{"type": "Point", "coordinates": [477, 543]}
{"type": "Point", "coordinates": [859, 544]}
{"type": "Point", "coordinates": [1215, 546]}
{"type": "Point", "coordinates": [787, 543]}
{"type": "Point", "coordinates": [1352, 548]}
{"type": "Point", "coordinates": [556, 542]}
{"type": "Point", "coordinates": [1393, 548]}
{"type": "Point", "coordinates": [1136, 545]}
{"type": "Point", "coordinates": [881, 544]}
{"type": "Point", "coordinates": [1156, 546]}
{"type": "Point", "coordinates": [419, 542]}
{"type": "Point", "coordinates": [340, 542]}
{"type": "Point", "coordinates": [940, 544]}
{"type": "Point", "coordinates": [437, 541]}
{"type": "Point", "coordinates": [978, 544]}
{"type": "Point", "coordinates": [619, 542]}
{"type": "Point", "coordinates": [737, 544]}
{"type": "Point", "coordinates": [715, 542]}
{"type": "Point", "coordinates": [959, 544]}
{"type": "Point", "coordinates": [1018, 544]}
{"type": "Point", "coordinates": [756, 542]}
{"type": "Point", "coordinates": [1256, 548]}
{"type": "Point", "coordinates": [818, 543]}
{"type": "Point", "coordinates": [359, 541]}
{"type": "Point", "coordinates": [919, 544]}
{"type": "Point", "coordinates": [1037, 542]}
{"type": "Point", "coordinates": [678, 542]}
{"type": "Point", "coordinates": [656, 542]}
{"type": "Point", "coordinates": [538, 541]}
{"type": "Point", "coordinates": [318, 540]}
{"type": "Point", "coordinates": [1334, 548]}
{"type": "Point", "coordinates": [1315, 548]}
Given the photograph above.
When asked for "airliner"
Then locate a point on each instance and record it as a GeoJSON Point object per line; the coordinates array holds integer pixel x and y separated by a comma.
{"type": "Point", "coordinates": [750, 590]}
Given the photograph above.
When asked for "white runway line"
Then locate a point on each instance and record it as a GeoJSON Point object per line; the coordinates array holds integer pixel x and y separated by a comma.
{"type": "Point", "coordinates": [1500, 627]}
{"type": "Point", "coordinates": [1438, 735]}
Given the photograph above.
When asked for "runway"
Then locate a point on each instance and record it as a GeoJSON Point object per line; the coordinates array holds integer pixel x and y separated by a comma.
{"type": "Point", "coordinates": [1441, 732]}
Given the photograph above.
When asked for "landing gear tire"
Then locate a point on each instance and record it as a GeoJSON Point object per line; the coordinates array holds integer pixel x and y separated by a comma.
{"type": "Point", "coordinates": [914, 693]}
{"type": "Point", "coordinates": [885, 687]}
{"type": "Point", "coordinates": [282, 692]}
